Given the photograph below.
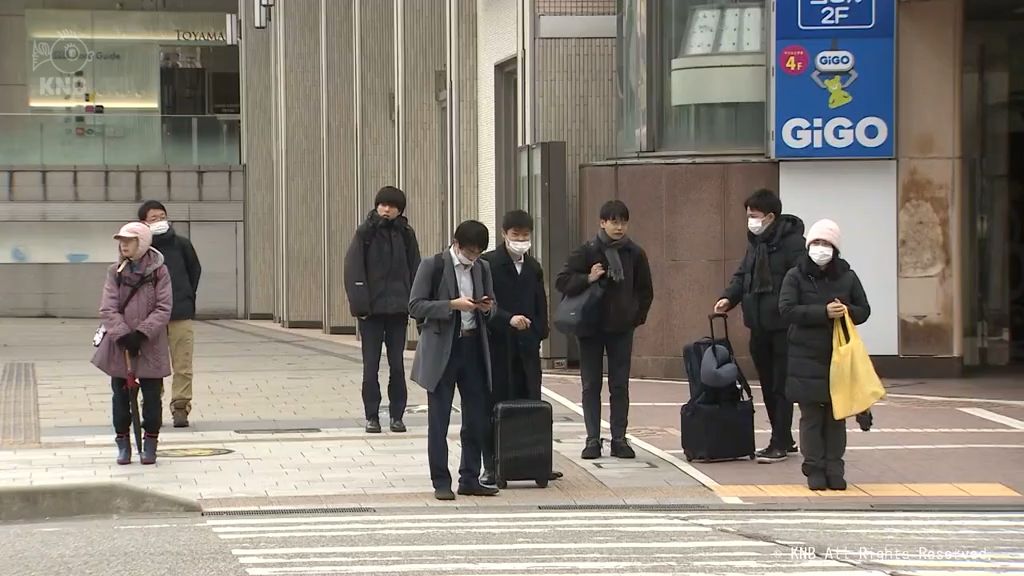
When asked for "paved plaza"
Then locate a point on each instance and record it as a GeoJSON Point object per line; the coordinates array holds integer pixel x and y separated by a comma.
{"type": "Point", "coordinates": [277, 421]}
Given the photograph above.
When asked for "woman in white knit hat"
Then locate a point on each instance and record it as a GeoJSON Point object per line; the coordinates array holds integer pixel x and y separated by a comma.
{"type": "Point", "coordinates": [819, 290]}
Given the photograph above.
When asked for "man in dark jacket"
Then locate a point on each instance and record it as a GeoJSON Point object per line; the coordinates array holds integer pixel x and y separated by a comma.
{"type": "Point", "coordinates": [775, 245]}
{"type": "Point", "coordinates": [184, 268]}
{"type": "Point", "coordinates": [520, 322]}
{"type": "Point", "coordinates": [621, 267]}
{"type": "Point", "coordinates": [379, 269]}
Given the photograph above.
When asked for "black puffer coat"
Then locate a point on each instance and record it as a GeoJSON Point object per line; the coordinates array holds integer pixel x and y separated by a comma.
{"type": "Point", "coordinates": [380, 265]}
{"type": "Point", "coordinates": [806, 291]}
{"type": "Point", "coordinates": [783, 245]}
{"type": "Point", "coordinates": [183, 266]}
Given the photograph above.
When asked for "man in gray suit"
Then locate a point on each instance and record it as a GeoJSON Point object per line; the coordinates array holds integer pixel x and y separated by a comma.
{"type": "Point", "coordinates": [452, 297]}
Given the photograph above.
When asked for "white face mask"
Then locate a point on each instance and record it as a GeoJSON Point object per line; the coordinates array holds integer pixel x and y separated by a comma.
{"type": "Point", "coordinates": [160, 227]}
{"type": "Point", "coordinates": [820, 255]}
{"type": "Point", "coordinates": [518, 247]}
{"type": "Point", "coordinates": [462, 258]}
{"type": "Point", "coordinates": [756, 226]}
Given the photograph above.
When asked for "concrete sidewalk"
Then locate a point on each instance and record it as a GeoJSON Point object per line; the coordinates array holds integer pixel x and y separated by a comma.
{"type": "Point", "coordinates": [277, 421]}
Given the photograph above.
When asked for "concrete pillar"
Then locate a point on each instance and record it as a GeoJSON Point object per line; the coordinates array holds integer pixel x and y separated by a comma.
{"type": "Point", "coordinates": [930, 161]}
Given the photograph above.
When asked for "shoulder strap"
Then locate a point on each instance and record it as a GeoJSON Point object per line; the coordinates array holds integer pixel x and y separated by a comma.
{"type": "Point", "coordinates": [436, 275]}
{"type": "Point", "coordinates": [148, 279]}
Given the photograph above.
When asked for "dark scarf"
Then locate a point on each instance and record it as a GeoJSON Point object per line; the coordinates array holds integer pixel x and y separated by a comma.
{"type": "Point", "coordinates": [761, 282]}
{"type": "Point", "coordinates": [611, 252]}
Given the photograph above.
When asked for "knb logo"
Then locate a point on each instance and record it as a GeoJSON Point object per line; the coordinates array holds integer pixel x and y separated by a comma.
{"type": "Point", "coordinates": [800, 133]}
{"type": "Point", "coordinates": [68, 56]}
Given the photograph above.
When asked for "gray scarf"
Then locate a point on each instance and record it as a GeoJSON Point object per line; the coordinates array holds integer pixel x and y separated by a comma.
{"type": "Point", "coordinates": [611, 252]}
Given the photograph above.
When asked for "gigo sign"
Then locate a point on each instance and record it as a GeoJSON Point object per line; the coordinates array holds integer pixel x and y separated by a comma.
{"type": "Point", "coordinates": [835, 61]}
{"type": "Point", "coordinates": [839, 132]}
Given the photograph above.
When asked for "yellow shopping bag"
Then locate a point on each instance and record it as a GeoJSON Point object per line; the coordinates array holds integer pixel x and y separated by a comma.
{"type": "Point", "coordinates": [853, 383]}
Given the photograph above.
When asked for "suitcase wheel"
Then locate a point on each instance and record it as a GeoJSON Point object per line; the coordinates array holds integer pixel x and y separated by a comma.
{"type": "Point", "coordinates": [502, 484]}
{"type": "Point", "coordinates": [542, 483]}
{"type": "Point", "coordinates": [689, 458]}
{"type": "Point", "coordinates": [752, 456]}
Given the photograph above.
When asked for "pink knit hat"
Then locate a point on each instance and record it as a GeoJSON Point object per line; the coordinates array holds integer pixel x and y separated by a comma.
{"type": "Point", "coordinates": [140, 231]}
{"type": "Point", "coordinates": [826, 230]}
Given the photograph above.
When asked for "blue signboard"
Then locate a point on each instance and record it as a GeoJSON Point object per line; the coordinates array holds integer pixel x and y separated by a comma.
{"type": "Point", "coordinates": [834, 83]}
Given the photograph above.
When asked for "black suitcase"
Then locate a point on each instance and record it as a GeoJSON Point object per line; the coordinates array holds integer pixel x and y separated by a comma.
{"type": "Point", "coordinates": [717, 432]}
{"type": "Point", "coordinates": [523, 442]}
{"type": "Point", "coordinates": [716, 424]}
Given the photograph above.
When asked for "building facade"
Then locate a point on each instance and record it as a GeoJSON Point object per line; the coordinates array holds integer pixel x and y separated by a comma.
{"type": "Point", "coordinates": [474, 107]}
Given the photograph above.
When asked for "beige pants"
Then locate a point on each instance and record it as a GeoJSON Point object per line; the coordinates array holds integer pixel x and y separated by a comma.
{"type": "Point", "coordinates": [180, 335]}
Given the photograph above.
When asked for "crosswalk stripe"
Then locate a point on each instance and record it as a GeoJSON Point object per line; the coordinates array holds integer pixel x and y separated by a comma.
{"type": "Point", "coordinates": [393, 532]}
{"type": "Point", "coordinates": [449, 524]}
{"type": "Point", "coordinates": [487, 567]}
{"type": "Point", "coordinates": [464, 517]}
{"type": "Point", "coordinates": [485, 547]}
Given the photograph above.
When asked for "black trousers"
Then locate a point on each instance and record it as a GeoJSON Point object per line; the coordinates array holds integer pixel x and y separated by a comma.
{"type": "Point", "coordinates": [770, 350]}
{"type": "Point", "coordinates": [521, 374]}
{"type": "Point", "coordinates": [390, 331]}
{"type": "Point", "coordinates": [465, 371]}
{"type": "Point", "coordinates": [822, 440]}
{"type": "Point", "coordinates": [619, 347]}
{"type": "Point", "coordinates": [152, 414]}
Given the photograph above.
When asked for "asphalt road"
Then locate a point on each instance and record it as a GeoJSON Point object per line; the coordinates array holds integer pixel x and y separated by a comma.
{"type": "Point", "coordinates": [500, 543]}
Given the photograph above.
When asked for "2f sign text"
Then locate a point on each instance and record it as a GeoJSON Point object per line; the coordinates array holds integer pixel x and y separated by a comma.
{"type": "Point", "coordinates": [836, 14]}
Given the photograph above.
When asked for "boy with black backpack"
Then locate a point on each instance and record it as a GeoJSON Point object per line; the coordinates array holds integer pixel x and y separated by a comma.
{"type": "Point", "coordinates": [379, 269]}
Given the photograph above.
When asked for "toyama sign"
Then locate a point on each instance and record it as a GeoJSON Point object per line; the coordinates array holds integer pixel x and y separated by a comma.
{"type": "Point", "coordinates": [834, 80]}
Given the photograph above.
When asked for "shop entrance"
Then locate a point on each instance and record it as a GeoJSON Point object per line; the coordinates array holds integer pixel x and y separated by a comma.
{"type": "Point", "coordinates": [993, 206]}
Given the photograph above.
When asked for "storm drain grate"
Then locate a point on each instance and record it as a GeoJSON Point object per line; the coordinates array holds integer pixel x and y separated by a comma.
{"type": "Point", "coordinates": [19, 404]}
{"type": "Point", "coordinates": [255, 431]}
{"type": "Point", "coordinates": [287, 512]}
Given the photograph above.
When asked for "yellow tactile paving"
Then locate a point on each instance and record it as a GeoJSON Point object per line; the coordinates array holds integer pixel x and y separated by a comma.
{"type": "Point", "coordinates": [788, 491]}
{"type": "Point", "coordinates": [740, 491]}
{"type": "Point", "coordinates": [889, 490]}
{"type": "Point", "coordinates": [976, 490]}
{"type": "Point", "coordinates": [996, 490]}
{"type": "Point", "coordinates": [937, 490]}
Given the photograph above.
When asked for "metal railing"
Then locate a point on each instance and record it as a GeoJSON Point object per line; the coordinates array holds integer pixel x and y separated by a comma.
{"type": "Point", "coordinates": [116, 139]}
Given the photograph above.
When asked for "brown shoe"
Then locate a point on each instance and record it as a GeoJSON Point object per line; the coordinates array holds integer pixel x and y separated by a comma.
{"type": "Point", "coordinates": [180, 418]}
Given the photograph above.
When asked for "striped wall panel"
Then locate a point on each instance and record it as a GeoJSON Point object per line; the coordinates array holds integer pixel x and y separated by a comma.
{"type": "Point", "coordinates": [423, 121]}
{"type": "Point", "coordinates": [468, 146]}
{"type": "Point", "coordinates": [257, 112]}
{"type": "Point", "coordinates": [343, 211]}
{"type": "Point", "coordinates": [302, 157]}
{"type": "Point", "coordinates": [377, 94]}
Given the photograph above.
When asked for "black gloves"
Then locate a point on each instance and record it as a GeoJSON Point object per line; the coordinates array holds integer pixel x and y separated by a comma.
{"type": "Point", "coordinates": [132, 342]}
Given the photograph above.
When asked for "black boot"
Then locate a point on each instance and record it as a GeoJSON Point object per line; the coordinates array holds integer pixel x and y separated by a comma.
{"type": "Point", "coordinates": [124, 449]}
{"type": "Point", "coordinates": [592, 450]}
{"type": "Point", "coordinates": [622, 449]}
{"type": "Point", "coordinates": [835, 482]}
{"type": "Point", "coordinates": [816, 481]}
{"type": "Point", "coordinates": [149, 449]}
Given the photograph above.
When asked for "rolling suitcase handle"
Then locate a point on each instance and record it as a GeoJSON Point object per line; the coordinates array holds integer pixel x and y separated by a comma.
{"type": "Point", "coordinates": [725, 323]}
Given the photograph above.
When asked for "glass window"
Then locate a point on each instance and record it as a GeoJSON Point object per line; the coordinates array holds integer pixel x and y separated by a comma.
{"type": "Point", "coordinates": [712, 76]}
{"type": "Point", "coordinates": [629, 75]}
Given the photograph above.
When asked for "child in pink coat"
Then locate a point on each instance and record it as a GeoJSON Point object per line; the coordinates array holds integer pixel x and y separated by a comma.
{"type": "Point", "coordinates": [135, 309]}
